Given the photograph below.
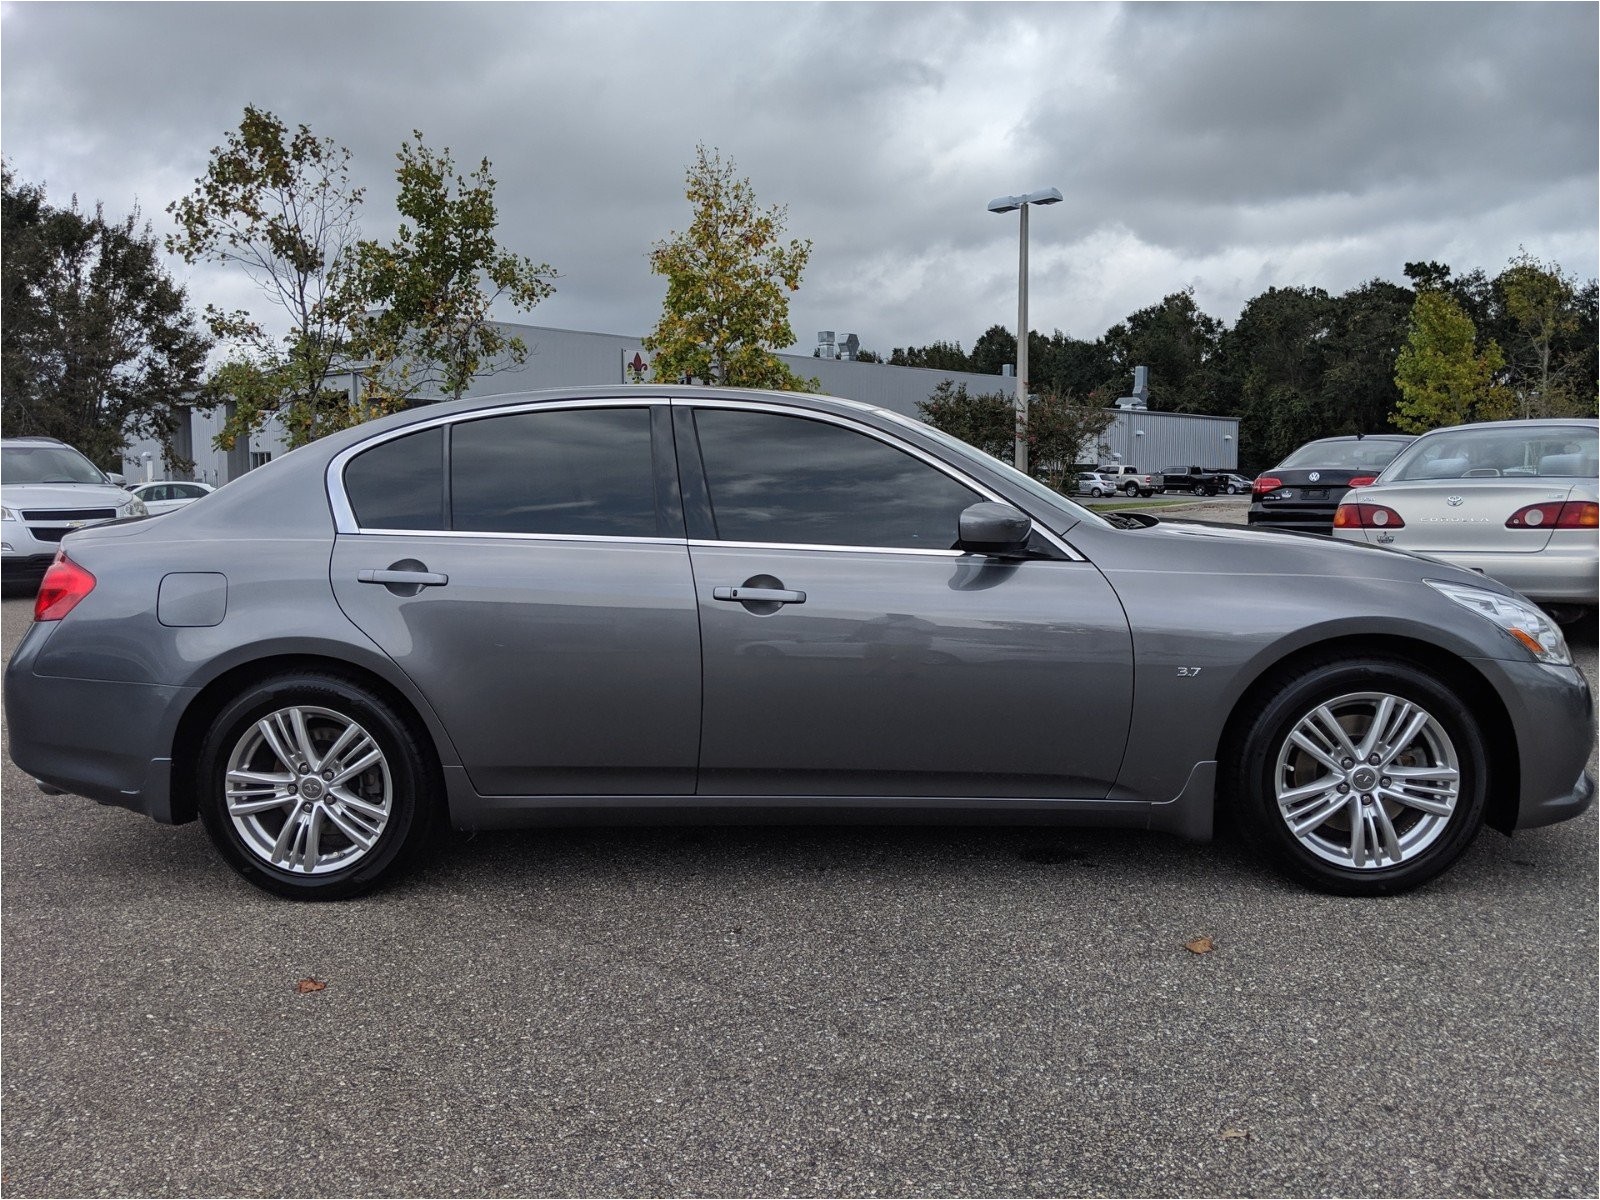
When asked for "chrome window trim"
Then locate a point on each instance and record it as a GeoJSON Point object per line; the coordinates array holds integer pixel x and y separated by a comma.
{"type": "Point", "coordinates": [479, 534]}
{"type": "Point", "coordinates": [887, 439]}
{"type": "Point", "coordinates": [714, 543]}
{"type": "Point", "coordinates": [344, 516]}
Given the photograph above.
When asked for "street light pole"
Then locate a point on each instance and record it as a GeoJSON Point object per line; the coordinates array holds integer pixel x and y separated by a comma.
{"type": "Point", "coordinates": [1004, 204]}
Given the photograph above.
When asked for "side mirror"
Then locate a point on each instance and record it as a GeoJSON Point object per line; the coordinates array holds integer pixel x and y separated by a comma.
{"type": "Point", "coordinates": [997, 529]}
{"type": "Point", "coordinates": [119, 480]}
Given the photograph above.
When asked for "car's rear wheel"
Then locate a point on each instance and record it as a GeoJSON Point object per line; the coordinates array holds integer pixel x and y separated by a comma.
{"type": "Point", "coordinates": [314, 788]}
{"type": "Point", "coordinates": [1361, 778]}
{"type": "Point", "coordinates": [1132, 489]}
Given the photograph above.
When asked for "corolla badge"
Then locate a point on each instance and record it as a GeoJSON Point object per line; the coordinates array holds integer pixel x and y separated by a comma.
{"type": "Point", "coordinates": [1314, 476]}
{"type": "Point", "coordinates": [1453, 501]}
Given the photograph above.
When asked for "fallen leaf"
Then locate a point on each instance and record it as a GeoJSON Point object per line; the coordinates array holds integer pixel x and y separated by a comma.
{"type": "Point", "coordinates": [1235, 1135]}
{"type": "Point", "coordinates": [1200, 945]}
{"type": "Point", "coordinates": [309, 985]}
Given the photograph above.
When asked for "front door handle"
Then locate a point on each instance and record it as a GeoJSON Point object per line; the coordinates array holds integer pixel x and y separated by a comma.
{"type": "Point", "coordinates": [758, 595]}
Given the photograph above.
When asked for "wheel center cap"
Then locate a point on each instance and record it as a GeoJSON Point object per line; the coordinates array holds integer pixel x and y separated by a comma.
{"type": "Point", "coordinates": [311, 788]}
{"type": "Point", "coordinates": [1363, 779]}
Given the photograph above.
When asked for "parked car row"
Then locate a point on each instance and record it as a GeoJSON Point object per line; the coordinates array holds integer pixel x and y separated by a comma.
{"type": "Point", "coordinates": [608, 603]}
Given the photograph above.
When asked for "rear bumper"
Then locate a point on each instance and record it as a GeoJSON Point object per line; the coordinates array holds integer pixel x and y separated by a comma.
{"type": "Point", "coordinates": [1569, 575]}
{"type": "Point", "coordinates": [127, 765]}
{"type": "Point", "coordinates": [1297, 518]}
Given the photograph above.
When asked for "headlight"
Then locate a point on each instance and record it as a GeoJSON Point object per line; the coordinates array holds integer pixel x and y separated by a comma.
{"type": "Point", "coordinates": [7, 514]}
{"type": "Point", "coordinates": [134, 508]}
{"type": "Point", "coordinates": [1534, 631]}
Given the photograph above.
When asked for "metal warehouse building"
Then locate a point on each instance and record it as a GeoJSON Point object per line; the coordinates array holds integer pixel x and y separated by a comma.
{"type": "Point", "coordinates": [1138, 437]}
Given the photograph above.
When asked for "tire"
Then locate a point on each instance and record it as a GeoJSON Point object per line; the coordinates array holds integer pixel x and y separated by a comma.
{"type": "Point", "coordinates": [334, 794]}
{"type": "Point", "coordinates": [1132, 490]}
{"type": "Point", "coordinates": [1314, 816]}
{"type": "Point", "coordinates": [1096, 493]}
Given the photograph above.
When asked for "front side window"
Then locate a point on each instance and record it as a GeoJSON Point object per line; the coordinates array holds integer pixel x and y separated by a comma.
{"type": "Point", "coordinates": [795, 481]}
{"type": "Point", "coordinates": [580, 471]}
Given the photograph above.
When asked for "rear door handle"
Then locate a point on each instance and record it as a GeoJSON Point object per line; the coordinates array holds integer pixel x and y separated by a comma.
{"type": "Point", "coordinates": [413, 578]}
{"type": "Point", "coordinates": [756, 595]}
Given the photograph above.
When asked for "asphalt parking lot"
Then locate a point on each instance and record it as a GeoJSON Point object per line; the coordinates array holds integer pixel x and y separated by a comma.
{"type": "Point", "coordinates": [861, 1011]}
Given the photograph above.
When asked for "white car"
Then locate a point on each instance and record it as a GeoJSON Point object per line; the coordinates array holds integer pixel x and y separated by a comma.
{"type": "Point", "coordinates": [48, 489]}
{"type": "Point", "coordinates": [1515, 500]}
{"type": "Point", "coordinates": [170, 494]}
{"type": "Point", "coordinates": [1092, 483]}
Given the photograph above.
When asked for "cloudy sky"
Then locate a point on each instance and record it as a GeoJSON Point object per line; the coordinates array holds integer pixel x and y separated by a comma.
{"type": "Point", "coordinates": [1223, 148]}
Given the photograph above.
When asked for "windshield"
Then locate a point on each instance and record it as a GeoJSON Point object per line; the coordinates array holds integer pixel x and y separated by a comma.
{"type": "Point", "coordinates": [1489, 451]}
{"type": "Point", "coordinates": [47, 464]}
{"type": "Point", "coordinates": [1064, 513]}
{"type": "Point", "coordinates": [1366, 454]}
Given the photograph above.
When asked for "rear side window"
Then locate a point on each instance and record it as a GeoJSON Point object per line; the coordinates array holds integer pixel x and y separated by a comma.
{"type": "Point", "coordinates": [789, 480]}
{"type": "Point", "coordinates": [399, 484]}
{"type": "Point", "coordinates": [581, 471]}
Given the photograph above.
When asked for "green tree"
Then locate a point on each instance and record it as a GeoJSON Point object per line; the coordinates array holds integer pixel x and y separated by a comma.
{"type": "Point", "coordinates": [424, 321]}
{"type": "Point", "coordinates": [1274, 360]}
{"type": "Point", "coordinates": [987, 420]}
{"type": "Point", "coordinates": [1178, 342]}
{"type": "Point", "coordinates": [1064, 430]}
{"type": "Point", "coordinates": [97, 343]}
{"type": "Point", "coordinates": [280, 207]}
{"type": "Point", "coordinates": [1368, 327]}
{"type": "Point", "coordinates": [729, 276]}
{"type": "Point", "coordinates": [939, 356]}
{"type": "Point", "coordinates": [1444, 378]}
{"type": "Point", "coordinates": [1545, 311]}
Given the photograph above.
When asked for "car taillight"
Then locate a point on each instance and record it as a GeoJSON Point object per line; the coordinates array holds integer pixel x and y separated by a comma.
{"type": "Point", "coordinates": [1363, 480]}
{"type": "Point", "coordinates": [1265, 484]}
{"type": "Point", "coordinates": [1366, 516]}
{"type": "Point", "coordinates": [65, 583]}
{"type": "Point", "coordinates": [1568, 514]}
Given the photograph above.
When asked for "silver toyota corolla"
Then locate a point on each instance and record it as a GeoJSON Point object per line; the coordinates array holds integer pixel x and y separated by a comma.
{"type": "Point", "coordinates": [552, 607]}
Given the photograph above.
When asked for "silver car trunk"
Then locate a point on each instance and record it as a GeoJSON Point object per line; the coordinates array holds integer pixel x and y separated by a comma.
{"type": "Point", "coordinates": [1464, 514]}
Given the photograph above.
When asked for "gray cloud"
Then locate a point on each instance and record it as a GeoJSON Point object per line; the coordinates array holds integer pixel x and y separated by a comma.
{"type": "Point", "coordinates": [1220, 147]}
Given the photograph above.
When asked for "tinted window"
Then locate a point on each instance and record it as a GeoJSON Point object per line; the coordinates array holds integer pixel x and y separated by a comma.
{"type": "Point", "coordinates": [583, 471]}
{"type": "Point", "coordinates": [791, 480]}
{"type": "Point", "coordinates": [399, 484]}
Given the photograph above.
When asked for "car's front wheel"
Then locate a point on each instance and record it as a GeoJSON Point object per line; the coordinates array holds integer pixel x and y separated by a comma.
{"type": "Point", "coordinates": [1363, 777]}
{"type": "Point", "coordinates": [314, 788]}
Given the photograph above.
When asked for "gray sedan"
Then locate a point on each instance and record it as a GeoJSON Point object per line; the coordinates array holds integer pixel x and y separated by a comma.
{"type": "Point", "coordinates": [627, 602]}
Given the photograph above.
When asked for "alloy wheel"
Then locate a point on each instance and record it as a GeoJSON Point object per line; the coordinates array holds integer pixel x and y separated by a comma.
{"type": "Point", "coordinates": [1367, 780]}
{"type": "Point", "coordinates": [308, 790]}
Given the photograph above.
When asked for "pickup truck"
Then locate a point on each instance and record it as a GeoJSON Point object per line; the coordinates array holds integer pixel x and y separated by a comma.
{"type": "Point", "coordinates": [1130, 479]}
{"type": "Point", "coordinates": [1190, 479]}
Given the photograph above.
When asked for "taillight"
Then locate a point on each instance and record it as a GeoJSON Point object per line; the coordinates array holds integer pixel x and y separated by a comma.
{"type": "Point", "coordinates": [1363, 480]}
{"type": "Point", "coordinates": [1557, 514]}
{"type": "Point", "coordinates": [1265, 484]}
{"type": "Point", "coordinates": [65, 583]}
{"type": "Point", "coordinates": [1366, 516]}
